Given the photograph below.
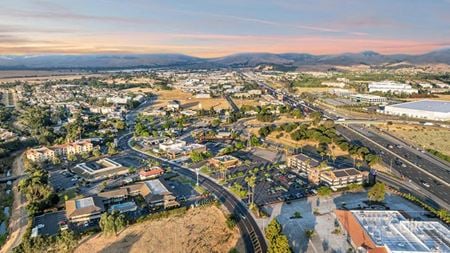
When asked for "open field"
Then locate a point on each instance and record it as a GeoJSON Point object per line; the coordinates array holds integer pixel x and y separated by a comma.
{"type": "Point", "coordinates": [187, 100]}
{"type": "Point", "coordinates": [436, 138]}
{"type": "Point", "coordinates": [300, 90]}
{"type": "Point", "coordinates": [240, 102]}
{"type": "Point", "coordinates": [285, 139]}
{"type": "Point", "coordinates": [439, 97]}
{"type": "Point", "coordinates": [199, 230]}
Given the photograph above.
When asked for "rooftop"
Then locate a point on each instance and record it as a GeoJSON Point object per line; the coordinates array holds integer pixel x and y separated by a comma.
{"type": "Point", "coordinates": [393, 231]}
{"type": "Point", "coordinates": [156, 187]}
{"type": "Point", "coordinates": [426, 105]}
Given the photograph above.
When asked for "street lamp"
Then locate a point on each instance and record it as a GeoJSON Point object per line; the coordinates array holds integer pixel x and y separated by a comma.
{"type": "Point", "coordinates": [197, 170]}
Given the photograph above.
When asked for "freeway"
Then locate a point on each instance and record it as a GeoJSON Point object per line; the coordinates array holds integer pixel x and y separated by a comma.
{"type": "Point", "coordinates": [436, 195]}
{"type": "Point", "coordinates": [251, 233]}
{"type": "Point", "coordinates": [430, 174]}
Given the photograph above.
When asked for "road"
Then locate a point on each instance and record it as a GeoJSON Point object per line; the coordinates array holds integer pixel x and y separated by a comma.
{"type": "Point", "coordinates": [252, 235]}
{"type": "Point", "coordinates": [19, 215]}
{"type": "Point", "coordinates": [436, 195]}
{"type": "Point", "coordinates": [231, 102]}
{"type": "Point", "coordinates": [430, 174]}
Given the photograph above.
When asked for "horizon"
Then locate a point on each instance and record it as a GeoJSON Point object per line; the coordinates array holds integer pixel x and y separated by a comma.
{"type": "Point", "coordinates": [216, 57]}
{"type": "Point", "coordinates": [214, 29]}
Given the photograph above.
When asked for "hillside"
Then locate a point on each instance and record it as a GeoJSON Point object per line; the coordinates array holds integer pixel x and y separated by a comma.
{"type": "Point", "coordinates": [115, 61]}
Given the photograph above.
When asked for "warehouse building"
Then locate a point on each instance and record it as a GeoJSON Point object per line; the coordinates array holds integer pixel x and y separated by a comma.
{"type": "Point", "coordinates": [393, 87]}
{"type": "Point", "coordinates": [423, 109]}
{"type": "Point", "coordinates": [390, 231]}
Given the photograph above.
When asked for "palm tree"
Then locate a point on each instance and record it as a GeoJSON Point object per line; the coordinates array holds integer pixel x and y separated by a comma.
{"type": "Point", "coordinates": [251, 182]}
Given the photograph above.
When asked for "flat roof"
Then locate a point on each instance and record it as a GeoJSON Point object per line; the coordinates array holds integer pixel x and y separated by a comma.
{"type": "Point", "coordinates": [156, 187]}
{"type": "Point", "coordinates": [82, 203]}
{"type": "Point", "coordinates": [425, 105]}
{"type": "Point", "coordinates": [392, 230]}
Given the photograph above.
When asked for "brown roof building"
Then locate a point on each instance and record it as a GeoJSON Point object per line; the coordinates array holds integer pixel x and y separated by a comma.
{"type": "Point", "coordinates": [85, 209]}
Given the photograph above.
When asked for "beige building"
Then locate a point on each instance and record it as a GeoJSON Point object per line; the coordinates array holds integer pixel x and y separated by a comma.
{"type": "Point", "coordinates": [341, 178]}
{"type": "Point", "coordinates": [46, 154]}
{"type": "Point", "coordinates": [226, 161]}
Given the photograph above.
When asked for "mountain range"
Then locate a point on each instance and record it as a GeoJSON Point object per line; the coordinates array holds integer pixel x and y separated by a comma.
{"type": "Point", "coordinates": [291, 60]}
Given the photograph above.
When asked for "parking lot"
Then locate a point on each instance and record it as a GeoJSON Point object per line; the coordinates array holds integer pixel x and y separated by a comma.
{"type": "Point", "coordinates": [49, 224]}
{"type": "Point", "coordinates": [62, 180]}
{"type": "Point", "coordinates": [275, 183]}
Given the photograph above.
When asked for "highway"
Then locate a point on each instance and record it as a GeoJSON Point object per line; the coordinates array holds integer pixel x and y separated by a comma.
{"type": "Point", "coordinates": [429, 173]}
{"type": "Point", "coordinates": [252, 235]}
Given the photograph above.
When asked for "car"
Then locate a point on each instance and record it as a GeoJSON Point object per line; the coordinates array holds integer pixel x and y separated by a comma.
{"type": "Point", "coordinates": [426, 184]}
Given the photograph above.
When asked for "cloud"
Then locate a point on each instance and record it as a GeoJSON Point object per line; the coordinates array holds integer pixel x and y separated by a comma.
{"type": "Point", "coordinates": [64, 14]}
{"type": "Point", "coordinates": [272, 23]}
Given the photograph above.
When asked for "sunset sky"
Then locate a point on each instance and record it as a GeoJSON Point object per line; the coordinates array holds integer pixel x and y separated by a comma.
{"type": "Point", "coordinates": [216, 28]}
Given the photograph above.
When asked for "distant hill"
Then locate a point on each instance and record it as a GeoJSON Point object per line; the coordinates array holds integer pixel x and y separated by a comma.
{"type": "Point", "coordinates": [290, 60]}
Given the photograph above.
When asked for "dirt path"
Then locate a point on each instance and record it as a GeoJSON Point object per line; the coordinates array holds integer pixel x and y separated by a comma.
{"type": "Point", "coordinates": [199, 230]}
{"type": "Point", "coordinates": [19, 216]}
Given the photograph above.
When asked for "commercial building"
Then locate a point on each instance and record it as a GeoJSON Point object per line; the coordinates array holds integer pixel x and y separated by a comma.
{"type": "Point", "coordinates": [149, 173]}
{"type": "Point", "coordinates": [179, 147]}
{"type": "Point", "coordinates": [391, 86]}
{"type": "Point", "coordinates": [341, 178]}
{"type": "Point", "coordinates": [391, 232]}
{"type": "Point", "coordinates": [423, 109]}
{"type": "Point", "coordinates": [225, 161]}
{"type": "Point", "coordinates": [302, 163]}
{"type": "Point", "coordinates": [368, 99]}
{"type": "Point", "coordinates": [318, 173]}
{"type": "Point", "coordinates": [84, 210]}
{"type": "Point", "coordinates": [100, 169]}
{"type": "Point", "coordinates": [155, 193]}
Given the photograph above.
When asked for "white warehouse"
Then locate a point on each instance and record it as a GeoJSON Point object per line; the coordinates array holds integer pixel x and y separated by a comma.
{"type": "Point", "coordinates": [424, 109]}
{"type": "Point", "coordinates": [394, 87]}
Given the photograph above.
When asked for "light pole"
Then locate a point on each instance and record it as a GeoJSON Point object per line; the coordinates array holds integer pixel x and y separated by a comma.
{"type": "Point", "coordinates": [197, 170]}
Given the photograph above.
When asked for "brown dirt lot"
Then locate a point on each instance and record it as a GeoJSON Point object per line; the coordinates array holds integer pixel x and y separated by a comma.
{"type": "Point", "coordinates": [199, 230]}
{"type": "Point", "coordinates": [436, 138]}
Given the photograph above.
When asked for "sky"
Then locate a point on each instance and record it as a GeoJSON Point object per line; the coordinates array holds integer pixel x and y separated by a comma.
{"type": "Point", "coordinates": [213, 28]}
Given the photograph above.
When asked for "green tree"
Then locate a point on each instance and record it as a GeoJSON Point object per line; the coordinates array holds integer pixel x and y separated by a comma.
{"type": "Point", "coordinates": [324, 191]}
{"type": "Point", "coordinates": [278, 243]}
{"type": "Point", "coordinates": [377, 192]}
{"type": "Point", "coordinates": [251, 182]}
{"type": "Point", "coordinates": [112, 223]}
{"type": "Point", "coordinates": [66, 242]}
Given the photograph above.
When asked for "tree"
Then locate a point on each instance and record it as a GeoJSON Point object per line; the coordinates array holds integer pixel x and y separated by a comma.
{"type": "Point", "coordinates": [112, 150]}
{"type": "Point", "coordinates": [112, 223]}
{"type": "Point", "coordinates": [66, 242]}
{"type": "Point", "coordinates": [278, 243]}
{"type": "Point", "coordinates": [251, 182]}
{"type": "Point", "coordinates": [324, 191]}
{"type": "Point", "coordinates": [377, 192]}
{"type": "Point", "coordinates": [316, 117]}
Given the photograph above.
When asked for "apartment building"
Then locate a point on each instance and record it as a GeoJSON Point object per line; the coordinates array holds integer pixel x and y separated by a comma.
{"type": "Point", "coordinates": [40, 154]}
{"type": "Point", "coordinates": [46, 154]}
